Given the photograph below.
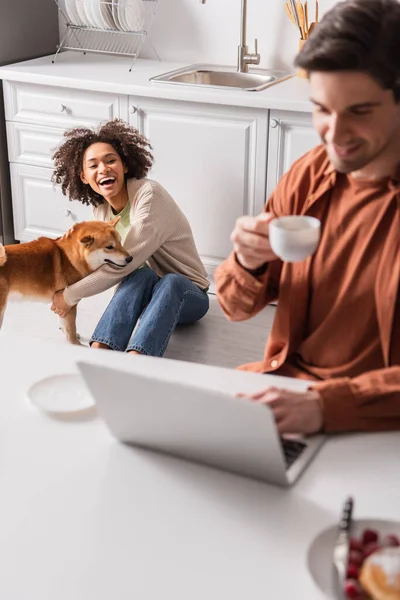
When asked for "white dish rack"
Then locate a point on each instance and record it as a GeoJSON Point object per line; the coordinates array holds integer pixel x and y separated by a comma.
{"type": "Point", "coordinates": [106, 26]}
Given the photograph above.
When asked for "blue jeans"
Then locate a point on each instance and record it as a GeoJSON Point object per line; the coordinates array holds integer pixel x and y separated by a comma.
{"type": "Point", "coordinates": [161, 303]}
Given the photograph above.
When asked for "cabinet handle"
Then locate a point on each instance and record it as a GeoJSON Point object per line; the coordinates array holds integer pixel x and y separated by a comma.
{"type": "Point", "coordinates": [67, 212]}
{"type": "Point", "coordinates": [63, 108]}
{"type": "Point", "coordinates": [274, 123]}
{"type": "Point", "coordinates": [133, 109]}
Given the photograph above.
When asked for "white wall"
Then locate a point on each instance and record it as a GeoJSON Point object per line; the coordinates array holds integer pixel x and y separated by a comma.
{"type": "Point", "coordinates": [187, 31]}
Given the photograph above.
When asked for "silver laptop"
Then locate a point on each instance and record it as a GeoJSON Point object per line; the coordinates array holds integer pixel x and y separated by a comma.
{"type": "Point", "coordinates": [197, 424]}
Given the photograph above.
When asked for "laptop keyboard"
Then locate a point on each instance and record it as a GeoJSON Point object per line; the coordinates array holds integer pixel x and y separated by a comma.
{"type": "Point", "coordinates": [292, 449]}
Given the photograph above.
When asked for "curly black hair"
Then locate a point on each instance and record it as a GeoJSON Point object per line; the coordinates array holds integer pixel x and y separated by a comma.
{"type": "Point", "coordinates": [133, 149]}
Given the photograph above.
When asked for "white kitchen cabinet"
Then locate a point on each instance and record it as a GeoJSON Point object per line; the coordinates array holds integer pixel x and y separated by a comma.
{"type": "Point", "coordinates": [218, 161]}
{"type": "Point", "coordinates": [212, 160]}
{"type": "Point", "coordinates": [32, 144]}
{"type": "Point", "coordinates": [60, 106]}
{"type": "Point", "coordinates": [291, 134]}
{"type": "Point", "coordinates": [36, 118]}
{"type": "Point", "coordinates": [38, 207]}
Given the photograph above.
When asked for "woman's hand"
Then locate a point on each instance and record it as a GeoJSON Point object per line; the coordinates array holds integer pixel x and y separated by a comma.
{"type": "Point", "coordinates": [251, 241]}
{"type": "Point", "coordinates": [59, 306]}
{"type": "Point", "coordinates": [294, 412]}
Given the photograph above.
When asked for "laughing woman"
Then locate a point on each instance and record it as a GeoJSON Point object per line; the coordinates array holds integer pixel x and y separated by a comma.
{"type": "Point", "coordinates": [107, 168]}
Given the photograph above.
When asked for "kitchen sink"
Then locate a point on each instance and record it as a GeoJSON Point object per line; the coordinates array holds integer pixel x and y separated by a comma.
{"type": "Point", "coordinates": [216, 76]}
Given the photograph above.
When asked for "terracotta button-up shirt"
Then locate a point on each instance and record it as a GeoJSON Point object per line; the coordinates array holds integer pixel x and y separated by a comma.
{"type": "Point", "coordinates": [338, 315]}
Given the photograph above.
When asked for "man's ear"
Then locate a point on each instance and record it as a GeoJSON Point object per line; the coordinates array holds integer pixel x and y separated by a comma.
{"type": "Point", "coordinates": [87, 240]}
{"type": "Point", "coordinates": [83, 178]}
{"type": "Point", "coordinates": [114, 221]}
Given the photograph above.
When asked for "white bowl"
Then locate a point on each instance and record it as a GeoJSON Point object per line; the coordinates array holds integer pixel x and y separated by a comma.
{"type": "Point", "coordinates": [295, 237]}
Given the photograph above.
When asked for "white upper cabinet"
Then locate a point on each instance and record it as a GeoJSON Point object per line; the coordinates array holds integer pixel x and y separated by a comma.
{"type": "Point", "coordinates": [291, 134]}
{"type": "Point", "coordinates": [212, 160]}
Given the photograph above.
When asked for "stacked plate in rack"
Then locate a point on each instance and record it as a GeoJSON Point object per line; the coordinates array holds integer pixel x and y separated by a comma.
{"type": "Point", "coordinates": [122, 15]}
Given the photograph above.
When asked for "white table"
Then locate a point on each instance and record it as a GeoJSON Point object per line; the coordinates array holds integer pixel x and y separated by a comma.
{"type": "Point", "coordinates": [83, 517]}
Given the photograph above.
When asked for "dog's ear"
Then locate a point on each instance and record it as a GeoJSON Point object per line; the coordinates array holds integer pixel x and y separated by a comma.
{"type": "Point", "coordinates": [114, 221]}
{"type": "Point", "coordinates": [87, 240]}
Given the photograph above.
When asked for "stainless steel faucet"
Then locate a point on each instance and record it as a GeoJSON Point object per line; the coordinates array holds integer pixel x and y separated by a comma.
{"type": "Point", "coordinates": [245, 58]}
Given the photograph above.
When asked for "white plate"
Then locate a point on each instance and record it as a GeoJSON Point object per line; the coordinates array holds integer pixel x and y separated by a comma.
{"type": "Point", "coordinates": [72, 12]}
{"type": "Point", "coordinates": [115, 15]}
{"type": "Point", "coordinates": [89, 8]}
{"type": "Point", "coordinates": [321, 551]}
{"type": "Point", "coordinates": [133, 14]}
{"type": "Point", "coordinates": [64, 393]}
{"type": "Point", "coordinates": [96, 14]}
{"type": "Point", "coordinates": [121, 14]}
{"type": "Point", "coordinates": [81, 9]}
{"type": "Point", "coordinates": [106, 13]}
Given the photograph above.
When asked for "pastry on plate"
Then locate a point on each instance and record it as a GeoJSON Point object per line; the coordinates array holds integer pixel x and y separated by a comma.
{"type": "Point", "coordinates": [380, 574]}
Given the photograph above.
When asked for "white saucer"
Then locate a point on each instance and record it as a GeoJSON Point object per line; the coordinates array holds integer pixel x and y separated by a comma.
{"type": "Point", "coordinates": [64, 393]}
{"type": "Point", "coordinates": [320, 553]}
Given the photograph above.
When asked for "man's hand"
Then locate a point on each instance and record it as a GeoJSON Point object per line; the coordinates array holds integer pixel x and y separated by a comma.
{"type": "Point", "coordinates": [294, 412]}
{"type": "Point", "coordinates": [59, 306]}
{"type": "Point", "coordinates": [251, 241]}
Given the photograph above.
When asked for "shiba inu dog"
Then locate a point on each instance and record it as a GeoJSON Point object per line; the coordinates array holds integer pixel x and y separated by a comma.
{"type": "Point", "coordinates": [36, 270]}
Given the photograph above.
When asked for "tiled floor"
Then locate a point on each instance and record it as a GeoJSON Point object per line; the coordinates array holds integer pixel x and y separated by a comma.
{"type": "Point", "coordinates": [214, 340]}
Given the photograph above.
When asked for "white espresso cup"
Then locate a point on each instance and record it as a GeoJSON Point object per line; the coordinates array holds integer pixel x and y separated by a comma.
{"type": "Point", "coordinates": [295, 237]}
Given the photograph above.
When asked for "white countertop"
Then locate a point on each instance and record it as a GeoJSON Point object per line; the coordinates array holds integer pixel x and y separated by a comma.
{"type": "Point", "coordinates": [84, 517]}
{"type": "Point", "coordinates": [111, 74]}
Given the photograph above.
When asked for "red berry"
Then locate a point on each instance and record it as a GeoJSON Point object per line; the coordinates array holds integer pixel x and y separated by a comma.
{"type": "Point", "coordinates": [390, 540]}
{"type": "Point", "coordinates": [352, 589]}
{"type": "Point", "coordinates": [369, 535]}
{"type": "Point", "coordinates": [370, 548]}
{"type": "Point", "coordinates": [356, 544]}
{"type": "Point", "coordinates": [352, 571]}
{"type": "Point", "coordinates": [356, 557]}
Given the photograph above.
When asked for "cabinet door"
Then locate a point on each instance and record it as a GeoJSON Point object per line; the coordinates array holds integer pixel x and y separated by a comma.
{"type": "Point", "coordinates": [291, 135]}
{"type": "Point", "coordinates": [212, 160]}
{"type": "Point", "coordinates": [38, 207]}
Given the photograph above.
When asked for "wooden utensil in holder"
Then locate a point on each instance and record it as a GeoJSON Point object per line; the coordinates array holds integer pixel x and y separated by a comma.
{"type": "Point", "coordinates": [298, 14]}
{"type": "Point", "coordinates": [301, 72]}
